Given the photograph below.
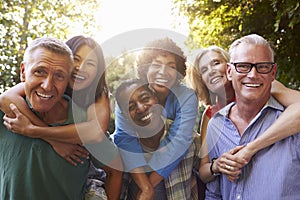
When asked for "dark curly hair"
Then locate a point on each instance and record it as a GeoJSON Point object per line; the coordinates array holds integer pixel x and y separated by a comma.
{"type": "Point", "coordinates": [161, 47]}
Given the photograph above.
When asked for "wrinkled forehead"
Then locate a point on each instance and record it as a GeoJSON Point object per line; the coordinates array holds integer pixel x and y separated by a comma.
{"type": "Point", "coordinates": [247, 52]}
{"type": "Point", "coordinates": [46, 57]}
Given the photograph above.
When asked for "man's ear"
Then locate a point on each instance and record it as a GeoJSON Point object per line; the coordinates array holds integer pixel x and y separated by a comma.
{"type": "Point", "coordinates": [228, 71]}
{"type": "Point", "coordinates": [22, 73]}
{"type": "Point", "coordinates": [274, 71]}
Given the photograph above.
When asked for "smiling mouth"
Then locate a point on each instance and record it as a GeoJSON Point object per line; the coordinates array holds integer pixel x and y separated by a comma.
{"type": "Point", "coordinates": [76, 76]}
{"type": "Point", "coordinates": [44, 96]}
{"type": "Point", "coordinates": [252, 85]}
{"type": "Point", "coordinates": [161, 81]}
{"type": "Point", "coordinates": [147, 117]}
{"type": "Point", "coordinates": [215, 79]}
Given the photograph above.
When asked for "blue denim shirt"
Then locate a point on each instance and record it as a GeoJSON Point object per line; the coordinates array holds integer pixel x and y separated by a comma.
{"type": "Point", "coordinates": [181, 107]}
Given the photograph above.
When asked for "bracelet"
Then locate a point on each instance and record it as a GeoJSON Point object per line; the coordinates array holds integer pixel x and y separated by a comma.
{"type": "Point", "coordinates": [211, 168]}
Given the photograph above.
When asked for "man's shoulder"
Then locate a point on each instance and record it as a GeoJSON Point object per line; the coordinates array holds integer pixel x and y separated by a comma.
{"type": "Point", "coordinates": [1, 115]}
{"type": "Point", "coordinates": [223, 112]}
{"type": "Point", "coordinates": [75, 112]}
{"type": "Point", "coordinates": [273, 103]}
{"type": "Point", "coordinates": [2, 127]}
{"type": "Point", "coordinates": [218, 118]}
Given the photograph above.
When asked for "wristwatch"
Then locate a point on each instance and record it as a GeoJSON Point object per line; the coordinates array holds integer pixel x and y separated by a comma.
{"type": "Point", "coordinates": [211, 168]}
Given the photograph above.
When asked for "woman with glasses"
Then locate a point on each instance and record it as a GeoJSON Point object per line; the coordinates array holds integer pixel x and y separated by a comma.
{"type": "Point", "coordinates": [208, 77]}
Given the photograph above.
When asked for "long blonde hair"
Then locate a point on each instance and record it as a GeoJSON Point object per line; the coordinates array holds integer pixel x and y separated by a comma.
{"type": "Point", "coordinates": [195, 77]}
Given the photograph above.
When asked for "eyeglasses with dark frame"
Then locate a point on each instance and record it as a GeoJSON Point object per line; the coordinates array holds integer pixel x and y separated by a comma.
{"type": "Point", "coordinates": [261, 67]}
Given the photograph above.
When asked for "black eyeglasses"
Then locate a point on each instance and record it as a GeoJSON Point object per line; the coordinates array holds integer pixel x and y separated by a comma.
{"type": "Point", "coordinates": [245, 67]}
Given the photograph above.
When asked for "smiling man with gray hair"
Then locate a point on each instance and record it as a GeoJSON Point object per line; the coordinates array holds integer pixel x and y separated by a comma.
{"type": "Point", "coordinates": [29, 168]}
{"type": "Point", "coordinates": [273, 173]}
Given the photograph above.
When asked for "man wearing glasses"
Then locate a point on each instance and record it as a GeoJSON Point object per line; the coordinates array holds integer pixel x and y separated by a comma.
{"type": "Point", "coordinates": [274, 172]}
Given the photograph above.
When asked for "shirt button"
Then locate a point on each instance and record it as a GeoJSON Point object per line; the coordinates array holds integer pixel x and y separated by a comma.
{"type": "Point", "coordinates": [238, 196]}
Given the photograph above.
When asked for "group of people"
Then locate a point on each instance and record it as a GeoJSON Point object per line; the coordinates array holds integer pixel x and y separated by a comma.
{"type": "Point", "coordinates": [246, 146]}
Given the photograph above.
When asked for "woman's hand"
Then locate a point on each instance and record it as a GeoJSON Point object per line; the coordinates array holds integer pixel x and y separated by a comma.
{"type": "Point", "coordinates": [145, 195]}
{"type": "Point", "coordinates": [245, 153]}
{"type": "Point", "coordinates": [146, 191]}
{"type": "Point", "coordinates": [19, 124]}
{"type": "Point", "coordinates": [229, 164]}
{"type": "Point", "coordinates": [72, 153]}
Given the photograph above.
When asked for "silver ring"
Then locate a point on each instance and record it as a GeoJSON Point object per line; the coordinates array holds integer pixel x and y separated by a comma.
{"type": "Point", "coordinates": [228, 167]}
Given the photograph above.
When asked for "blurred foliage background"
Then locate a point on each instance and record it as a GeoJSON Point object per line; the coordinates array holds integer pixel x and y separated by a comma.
{"type": "Point", "coordinates": [211, 22]}
{"type": "Point", "coordinates": [216, 22]}
{"type": "Point", "coordinates": [23, 21]}
{"type": "Point", "coordinates": [220, 22]}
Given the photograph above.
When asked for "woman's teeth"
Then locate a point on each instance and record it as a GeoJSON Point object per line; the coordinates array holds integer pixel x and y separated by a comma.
{"type": "Point", "coordinates": [147, 117]}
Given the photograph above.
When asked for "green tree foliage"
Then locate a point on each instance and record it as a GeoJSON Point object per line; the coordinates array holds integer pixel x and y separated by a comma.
{"type": "Point", "coordinates": [22, 21]}
{"type": "Point", "coordinates": [118, 69]}
{"type": "Point", "coordinates": [220, 22]}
